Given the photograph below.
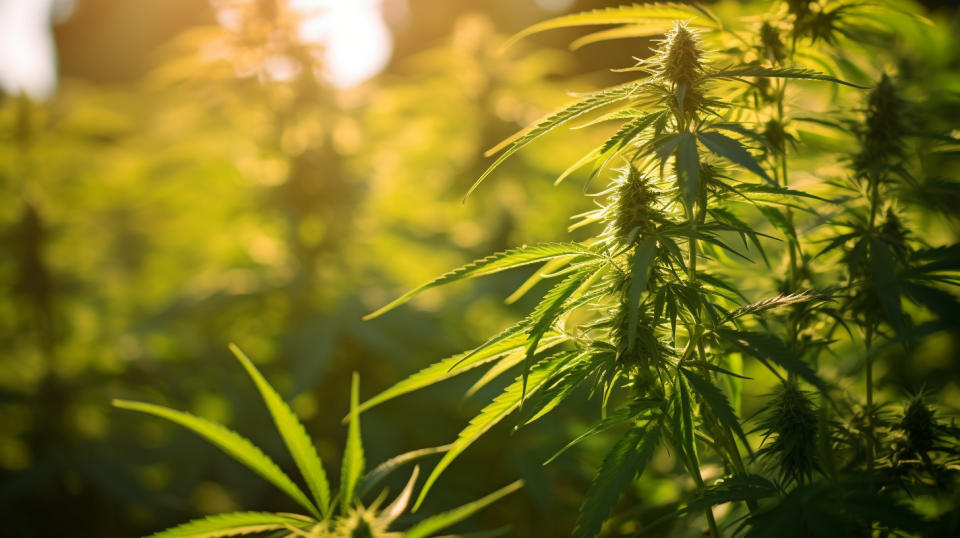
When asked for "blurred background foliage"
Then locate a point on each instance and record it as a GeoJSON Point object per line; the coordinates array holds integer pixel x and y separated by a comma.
{"type": "Point", "coordinates": [196, 180]}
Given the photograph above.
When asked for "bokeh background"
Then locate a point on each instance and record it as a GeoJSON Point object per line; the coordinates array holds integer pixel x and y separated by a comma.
{"type": "Point", "coordinates": [178, 175]}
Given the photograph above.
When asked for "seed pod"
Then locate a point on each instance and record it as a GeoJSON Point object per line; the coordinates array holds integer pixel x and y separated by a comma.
{"type": "Point", "coordinates": [791, 420]}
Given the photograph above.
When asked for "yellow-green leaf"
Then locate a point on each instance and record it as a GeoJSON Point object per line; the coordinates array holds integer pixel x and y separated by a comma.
{"type": "Point", "coordinates": [235, 524]}
{"type": "Point", "coordinates": [353, 462]}
{"type": "Point", "coordinates": [230, 442]}
{"type": "Point", "coordinates": [439, 522]}
{"type": "Point", "coordinates": [293, 433]}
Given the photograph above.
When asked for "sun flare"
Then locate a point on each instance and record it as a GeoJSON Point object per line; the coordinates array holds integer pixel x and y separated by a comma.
{"type": "Point", "coordinates": [356, 39]}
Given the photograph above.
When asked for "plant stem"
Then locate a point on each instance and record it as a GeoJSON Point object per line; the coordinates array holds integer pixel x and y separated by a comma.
{"type": "Point", "coordinates": [711, 521]}
{"type": "Point", "coordinates": [869, 373]}
{"type": "Point", "coordinates": [696, 343]}
{"type": "Point", "coordinates": [874, 186]}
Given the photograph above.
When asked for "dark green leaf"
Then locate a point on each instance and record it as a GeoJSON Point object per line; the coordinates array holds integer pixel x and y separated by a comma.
{"type": "Point", "coordinates": [688, 169]}
{"type": "Point", "coordinates": [779, 72]}
{"type": "Point", "coordinates": [746, 487]}
{"type": "Point", "coordinates": [645, 251]}
{"type": "Point", "coordinates": [627, 458]}
{"type": "Point", "coordinates": [235, 524]}
{"type": "Point", "coordinates": [632, 411]}
{"type": "Point", "coordinates": [717, 402]}
{"type": "Point", "coordinates": [767, 347]}
{"type": "Point", "coordinates": [884, 272]}
{"type": "Point", "coordinates": [728, 148]}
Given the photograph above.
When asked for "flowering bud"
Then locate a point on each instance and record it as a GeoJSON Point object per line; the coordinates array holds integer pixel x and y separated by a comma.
{"type": "Point", "coordinates": [633, 200]}
{"type": "Point", "coordinates": [881, 141]}
{"type": "Point", "coordinates": [792, 422]}
{"type": "Point", "coordinates": [680, 56]}
{"type": "Point", "coordinates": [772, 46]}
{"type": "Point", "coordinates": [919, 425]}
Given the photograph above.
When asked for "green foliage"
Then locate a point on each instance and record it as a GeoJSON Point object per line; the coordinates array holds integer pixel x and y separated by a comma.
{"type": "Point", "coordinates": [493, 264]}
{"type": "Point", "coordinates": [751, 328]}
{"type": "Point", "coordinates": [235, 524]}
{"type": "Point", "coordinates": [294, 436]}
{"type": "Point", "coordinates": [627, 458]}
{"type": "Point", "coordinates": [652, 331]}
{"type": "Point", "coordinates": [233, 444]}
{"type": "Point", "coordinates": [353, 453]}
{"type": "Point", "coordinates": [355, 519]}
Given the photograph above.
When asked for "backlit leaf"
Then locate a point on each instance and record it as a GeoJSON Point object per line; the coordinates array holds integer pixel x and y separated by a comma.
{"type": "Point", "coordinates": [433, 524]}
{"type": "Point", "coordinates": [632, 14]}
{"type": "Point", "coordinates": [591, 102]}
{"type": "Point", "coordinates": [504, 404]}
{"type": "Point", "coordinates": [779, 72]}
{"type": "Point", "coordinates": [353, 460]}
{"type": "Point", "coordinates": [294, 435]}
{"type": "Point", "coordinates": [235, 524]}
{"type": "Point", "coordinates": [230, 442]}
{"type": "Point", "coordinates": [495, 263]}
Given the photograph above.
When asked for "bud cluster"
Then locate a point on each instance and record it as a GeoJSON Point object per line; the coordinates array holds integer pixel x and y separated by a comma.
{"type": "Point", "coordinates": [791, 420]}
{"type": "Point", "coordinates": [881, 140]}
{"type": "Point", "coordinates": [678, 62]}
{"type": "Point", "coordinates": [633, 201]}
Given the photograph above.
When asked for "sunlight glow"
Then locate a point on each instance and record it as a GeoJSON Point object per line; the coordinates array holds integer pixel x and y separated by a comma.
{"type": "Point", "coordinates": [356, 39]}
{"type": "Point", "coordinates": [555, 5]}
{"type": "Point", "coordinates": [27, 53]}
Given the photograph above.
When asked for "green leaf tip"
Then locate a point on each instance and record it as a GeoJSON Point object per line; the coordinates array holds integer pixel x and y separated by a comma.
{"type": "Point", "coordinates": [494, 263]}
{"type": "Point", "coordinates": [231, 443]}
{"type": "Point", "coordinates": [293, 433]}
{"type": "Point", "coordinates": [353, 460]}
{"type": "Point", "coordinates": [438, 522]}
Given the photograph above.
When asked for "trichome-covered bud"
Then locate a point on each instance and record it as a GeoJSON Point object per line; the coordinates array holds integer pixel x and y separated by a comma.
{"type": "Point", "coordinates": [919, 426]}
{"type": "Point", "coordinates": [885, 119]}
{"type": "Point", "coordinates": [678, 62]}
{"type": "Point", "coordinates": [894, 232]}
{"type": "Point", "coordinates": [772, 46]}
{"type": "Point", "coordinates": [680, 56]}
{"type": "Point", "coordinates": [776, 135]}
{"type": "Point", "coordinates": [881, 140]}
{"type": "Point", "coordinates": [791, 420]}
{"type": "Point", "coordinates": [645, 349]}
{"type": "Point", "coordinates": [633, 202]}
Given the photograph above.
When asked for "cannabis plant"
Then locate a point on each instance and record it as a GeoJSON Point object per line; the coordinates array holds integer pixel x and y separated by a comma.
{"type": "Point", "coordinates": [641, 314]}
{"type": "Point", "coordinates": [341, 514]}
